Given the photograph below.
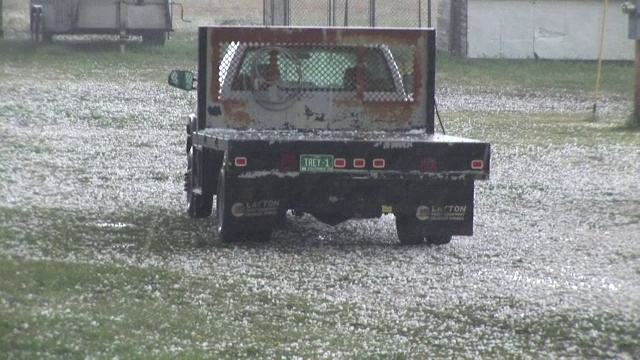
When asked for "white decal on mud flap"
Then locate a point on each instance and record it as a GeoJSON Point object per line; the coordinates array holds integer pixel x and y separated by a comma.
{"type": "Point", "coordinates": [238, 210]}
{"type": "Point", "coordinates": [262, 208]}
{"type": "Point", "coordinates": [423, 213]}
{"type": "Point", "coordinates": [448, 212]}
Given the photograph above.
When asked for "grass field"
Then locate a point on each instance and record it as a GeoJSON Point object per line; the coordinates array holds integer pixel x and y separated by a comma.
{"type": "Point", "coordinates": [98, 259]}
{"type": "Point", "coordinates": [492, 74]}
{"type": "Point", "coordinates": [95, 58]}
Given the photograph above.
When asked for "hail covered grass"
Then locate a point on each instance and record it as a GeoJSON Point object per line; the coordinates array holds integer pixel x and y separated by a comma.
{"type": "Point", "coordinates": [98, 259]}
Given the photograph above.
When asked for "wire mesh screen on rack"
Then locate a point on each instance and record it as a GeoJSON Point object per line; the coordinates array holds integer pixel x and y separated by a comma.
{"type": "Point", "coordinates": [276, 74]}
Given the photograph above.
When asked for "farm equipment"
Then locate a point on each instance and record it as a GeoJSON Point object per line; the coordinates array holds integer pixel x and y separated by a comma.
{"type": "Point", "coordinates": [151, 19]}
{"type": "Point", "coordinates": [333, 122]}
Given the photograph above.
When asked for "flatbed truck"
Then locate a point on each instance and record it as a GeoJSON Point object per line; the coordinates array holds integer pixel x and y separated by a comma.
{"type": "Point", "coordinates": [338, 123]}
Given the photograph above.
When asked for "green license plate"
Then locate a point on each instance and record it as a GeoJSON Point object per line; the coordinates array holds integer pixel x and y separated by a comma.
{"type": "Point", "coordinates": [320, 163]}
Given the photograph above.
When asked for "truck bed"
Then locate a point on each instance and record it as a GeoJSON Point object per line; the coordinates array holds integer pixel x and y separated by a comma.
{"type": "Point", "coordinates": [334, 122]}
{"type": "Point", "coordinates": [220, 137]}
{"type": "Point", "coordinates": [405, 155]}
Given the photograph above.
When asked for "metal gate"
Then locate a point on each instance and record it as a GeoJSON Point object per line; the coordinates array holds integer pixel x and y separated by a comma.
{"type": "Point", "coordinates": [363, 13]}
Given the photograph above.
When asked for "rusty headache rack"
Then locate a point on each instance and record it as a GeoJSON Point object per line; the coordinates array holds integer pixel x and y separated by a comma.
{"type": "Point", "coordinates": [288, 78]}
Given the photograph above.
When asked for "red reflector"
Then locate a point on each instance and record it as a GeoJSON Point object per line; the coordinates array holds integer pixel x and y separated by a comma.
{"type": "Point", "coordinates": [288, 162]}
{"type": "Point", "coordinates": [359, 163]}
{"type": "Point", "coordinates": [477, 164]}
{"type": "Point", "coordinates": [428, 164]}
{"type": "Point", "coordinates": [240, 161]}
{"type": "Point", "coordinates": [378, 163]}
{"type": "Point", "coordinates": [339, 163]}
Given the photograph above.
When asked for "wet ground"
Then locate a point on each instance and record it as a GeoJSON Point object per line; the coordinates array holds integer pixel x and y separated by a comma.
{"type": "Point", "coordinates": [557, 226]}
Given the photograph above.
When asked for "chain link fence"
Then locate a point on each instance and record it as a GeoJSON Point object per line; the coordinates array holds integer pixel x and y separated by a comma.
{"type": "Point", "coordinates": [275, 75]}
{"type": "Point", "coordinates": [365, 13]}
{"type": "Point", "coordinates": [448, 16]}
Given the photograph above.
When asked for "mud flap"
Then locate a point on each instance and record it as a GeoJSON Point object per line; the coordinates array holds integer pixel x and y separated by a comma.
{"type": "Point", "coordinates": [253, 205]}
{"type": "Point", "coordinates": [441, 208]}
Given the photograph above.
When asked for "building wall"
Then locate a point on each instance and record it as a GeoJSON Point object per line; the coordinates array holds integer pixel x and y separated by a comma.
{"type": "Point", "coordinates": [551, 29]}
{"type": "Point", "coordinates": [443, 41]}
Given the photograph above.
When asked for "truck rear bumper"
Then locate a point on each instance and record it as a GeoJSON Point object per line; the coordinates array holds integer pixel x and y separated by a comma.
{"type": "Point", "coordinates": [261, 202]}
{"type": "Point", "coordinates": [428, 178]}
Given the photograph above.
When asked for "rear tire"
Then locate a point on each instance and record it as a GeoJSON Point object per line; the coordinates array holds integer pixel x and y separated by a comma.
{"type": "Point", "coordinates": [258, 236]}
{"type": "Point", "coordinates": [198, 205]}
{"type": "Point", "coordinates": [412, 232]}
{"type": "Point", "coordinates": [409, 231]}
{"type": "Point", "coordinates": [438, 239]}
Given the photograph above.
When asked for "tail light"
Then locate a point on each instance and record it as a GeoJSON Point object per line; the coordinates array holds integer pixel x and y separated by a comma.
{"type": "Point", "coordinates": [379, 163]}
{"type": "Point", "coordinates": [288, 162]}
{"type": "Point", "coordinates": [240, 161]}
{"type": "Point", "coordinates": [359, 163]}
{"type": "Point", "coordinates": [339, 163]}
{"type": "Point", "coordinates": [477, 164]}
{"type": "Point", "coordinates": [428, 164]}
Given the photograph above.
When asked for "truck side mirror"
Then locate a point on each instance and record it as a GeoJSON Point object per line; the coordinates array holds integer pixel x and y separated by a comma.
{"type": "Point", "coordinates": [182, 79]}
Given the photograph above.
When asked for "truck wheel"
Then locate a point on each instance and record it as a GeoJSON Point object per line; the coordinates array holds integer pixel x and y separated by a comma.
{"type": "Point", "coordinates": [259, 236]}
{"type": "Point", "coordinates": [198, 205]}
{"type": "Point", "coordinates": [409, 231]}
{"type": "Point", "coordinates": [412, 232]}
{"type": "Point", "coordinates": [438, 239]}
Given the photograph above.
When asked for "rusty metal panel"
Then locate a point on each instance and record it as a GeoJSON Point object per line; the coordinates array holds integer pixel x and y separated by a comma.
{"type": "Point", "coordinates": [59, 15]}
{"type": "Point", "coordinates": [150, 14]}
{"type": "Point", "coordinates": [317, 78]}
{"type": "Point", "coordinates": [65, 13]}
{"type": "Point", "coordinates": [97, 14]}
{"type": "Point", "coordinates": [82, 16]}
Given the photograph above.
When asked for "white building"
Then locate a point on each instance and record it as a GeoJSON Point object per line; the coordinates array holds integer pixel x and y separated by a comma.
{"type": "Point", "coordinates": [549, 29]}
